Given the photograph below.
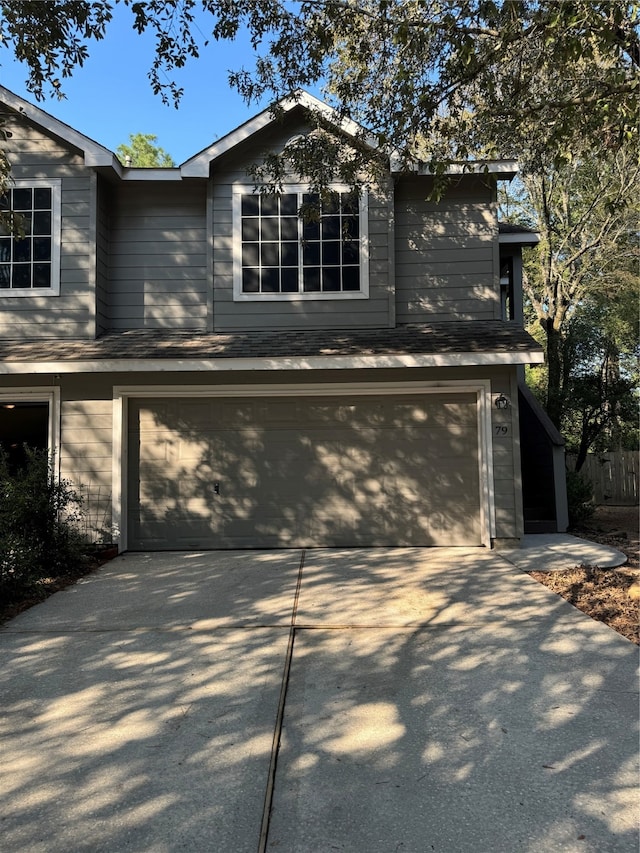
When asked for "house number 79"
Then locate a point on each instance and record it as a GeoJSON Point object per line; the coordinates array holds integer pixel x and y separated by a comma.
{"type": "Point", "coordinates": [501, 429]}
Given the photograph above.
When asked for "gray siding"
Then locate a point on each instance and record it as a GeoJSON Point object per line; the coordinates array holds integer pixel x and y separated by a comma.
{"type": "Point", "coordinates": [507, 479]}
{"type": "Point", "coordinates": [376, 311]}
{"type": "Point", "coordinates": [86, 460]}
{"type": "Point", "coordinates": [102, 256]}
{"type": "Point", "coordinates": [445, 252]}
{"type": "Point", "coordinates": [32, 154]}
{"type": "Point", "coordinates": [87, 422]}
{"type": "Point", "coordinates": [150, 255]}
{"type": "Point", "coordinates": [158, 269]}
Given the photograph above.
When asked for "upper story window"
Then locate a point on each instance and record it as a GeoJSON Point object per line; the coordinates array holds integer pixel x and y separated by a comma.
{"type": "Point", "coordinates": [30, 257]}
{"type": "Point", "coordinates": [281, 255]}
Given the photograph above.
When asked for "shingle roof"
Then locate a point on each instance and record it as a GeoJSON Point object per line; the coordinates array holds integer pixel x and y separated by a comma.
{"type": "Point", "coordinates": [480, 337]}
{"type": "Point", "coordinates": [512, 228]}
{"type": "Point", "coordinates": [518, 234]}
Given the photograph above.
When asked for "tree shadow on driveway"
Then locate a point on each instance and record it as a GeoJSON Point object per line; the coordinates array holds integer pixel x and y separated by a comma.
{"type": "Point", "coordinates": [465, 708]}
{"type": "Point", "coordinates": [438, 699]}
{"type": "Point", "coordinates": [139, 705]}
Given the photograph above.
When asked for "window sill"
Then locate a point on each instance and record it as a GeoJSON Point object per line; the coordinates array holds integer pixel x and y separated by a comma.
{"type": "Point", "coordinates": [19, 292]}
{"type": "Point", "coordinates": [297, 297]}
{"type": "Point", "coordinates": [16, 293]}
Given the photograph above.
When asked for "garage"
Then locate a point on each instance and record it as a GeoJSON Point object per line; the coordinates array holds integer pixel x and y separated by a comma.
{"type": "Point", "coordinates": [303, 471]}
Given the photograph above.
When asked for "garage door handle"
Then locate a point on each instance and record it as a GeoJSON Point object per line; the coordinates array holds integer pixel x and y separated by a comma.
{"type": "Point", "coordinates": [216, 488]}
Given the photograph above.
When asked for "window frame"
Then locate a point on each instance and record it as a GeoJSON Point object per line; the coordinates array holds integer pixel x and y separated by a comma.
{"type": "Point", "coordinates": [299, 189]}
{"type": "Point", "coordinates": [55, 185]}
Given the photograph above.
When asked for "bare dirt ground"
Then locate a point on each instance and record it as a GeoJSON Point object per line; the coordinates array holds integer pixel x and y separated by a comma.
{"type": "Point", "coordinates": [608, 595]}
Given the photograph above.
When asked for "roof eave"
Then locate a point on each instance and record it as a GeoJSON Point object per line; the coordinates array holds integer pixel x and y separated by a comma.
{"type": "Point", "coordinates": [95, 155]}
{"type": "Point", "coordinates": [198, 166]}
{"type": "Point", "coordinates": [503, 170]}
{"type": "Point", "coordinates": [521, 238]}
{"type": "Point", "coordinates": [313, 362]}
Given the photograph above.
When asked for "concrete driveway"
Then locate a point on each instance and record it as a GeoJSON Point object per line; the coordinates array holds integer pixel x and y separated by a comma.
{"type": "Point", "coordinates": [421, 699]}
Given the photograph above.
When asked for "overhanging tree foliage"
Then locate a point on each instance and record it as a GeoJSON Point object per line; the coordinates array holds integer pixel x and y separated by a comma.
{"type": "Point", "coordinates": [586, 212]}
{"type": "Point", "coordinates": [51, 38]}
{"type": "Point", "coordinates": [553, 83]}
{"type": "Point", "coordinates": [582, 292]}
{"type": "Point", "coordinates": [445, 80]}
{"type": "Point", "coordinates": [600, 353]}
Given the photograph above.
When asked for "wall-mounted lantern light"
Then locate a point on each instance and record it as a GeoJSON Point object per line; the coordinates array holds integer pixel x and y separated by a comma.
{"type": "Point", "coordinates": [502, 402]}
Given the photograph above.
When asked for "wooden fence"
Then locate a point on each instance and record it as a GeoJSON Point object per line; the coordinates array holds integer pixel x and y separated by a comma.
{"type": "Point", "coordinates": [614, 476]}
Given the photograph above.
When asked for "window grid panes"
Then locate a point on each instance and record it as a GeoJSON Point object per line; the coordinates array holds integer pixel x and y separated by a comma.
{"type": "Point", "coordinates": [25, 258]}
{"type": "Point", "coordinates": [283, 253]}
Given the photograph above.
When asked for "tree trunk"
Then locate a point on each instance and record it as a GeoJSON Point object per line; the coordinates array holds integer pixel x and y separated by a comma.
{"type": "Point", "coordinates": [611, 374]}
{"type": "Point", "coordinates": [581, 458]}
{"type": "Point", "coordinates": [554, 364]}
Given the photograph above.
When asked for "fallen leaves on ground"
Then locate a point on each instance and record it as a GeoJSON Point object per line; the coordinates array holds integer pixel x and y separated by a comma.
{"type": "Point", "coordinates": [608, 595]}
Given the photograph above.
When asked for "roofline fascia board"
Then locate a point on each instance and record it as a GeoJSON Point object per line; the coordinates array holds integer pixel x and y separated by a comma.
{"type": "Point", "coordinates": [127, 173]}
{"type": "Point", "coordinates": [198, 166]}
{"type": "Point", "coordinates": [503, 169]}
{"type": "Point", "coordinates": [523, 238]}
{"type": "Point", "coordinates": [97, 156]}
{"type": "Point", "coordinates": [316, 362]}
{"type": "Point", "coordinates": [94, 153]}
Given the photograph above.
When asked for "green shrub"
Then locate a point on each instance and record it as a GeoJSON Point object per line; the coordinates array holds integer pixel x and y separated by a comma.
{"type": "Point", "coordinates": [579, 499]}
{"type": "Point", "coordinates": [38, 524]}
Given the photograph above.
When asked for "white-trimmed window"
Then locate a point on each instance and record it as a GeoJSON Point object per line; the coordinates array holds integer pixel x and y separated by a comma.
{"type": "Point", "coordinates": [280, 255]}
{"type": "Point", "coordinates": [30, 257]}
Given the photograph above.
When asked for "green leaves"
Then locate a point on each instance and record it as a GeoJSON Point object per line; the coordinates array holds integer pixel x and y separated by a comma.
{"type": "Point", "coordinates": [39, 517]}
{"type": "Point", "coordinates": [553, 79]}
{"type": "Point", "coordinates": [582, 283]}
{"type": "Point", "coordinates": [50, 38]}
{"type": "Point", "coordinates": [144, 153]}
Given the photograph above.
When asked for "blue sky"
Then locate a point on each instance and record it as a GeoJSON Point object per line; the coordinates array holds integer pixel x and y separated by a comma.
{"type": "Point", "coordinates": [110, 96]}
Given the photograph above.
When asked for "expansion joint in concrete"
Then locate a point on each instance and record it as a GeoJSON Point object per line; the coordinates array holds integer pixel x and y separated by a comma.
{"type": "Point", "coordinates": [277, 732]}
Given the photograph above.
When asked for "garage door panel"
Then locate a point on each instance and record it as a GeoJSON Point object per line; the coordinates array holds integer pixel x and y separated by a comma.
{"type": "Point", "coordinates": [304, 472]}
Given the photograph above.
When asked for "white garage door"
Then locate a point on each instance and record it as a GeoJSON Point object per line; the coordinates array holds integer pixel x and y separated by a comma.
{"type": "Point", "coordinates": [303, 471]}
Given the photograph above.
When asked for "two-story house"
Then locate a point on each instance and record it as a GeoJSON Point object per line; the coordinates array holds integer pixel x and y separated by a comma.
{"type": "Point", "coordinates": [214, 371]}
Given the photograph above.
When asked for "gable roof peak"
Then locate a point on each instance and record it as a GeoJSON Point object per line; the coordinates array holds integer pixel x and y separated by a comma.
{"type": "Point", "coordinates": [198, 166]}
{"type": "Point", "coordinates": [94, 153]}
